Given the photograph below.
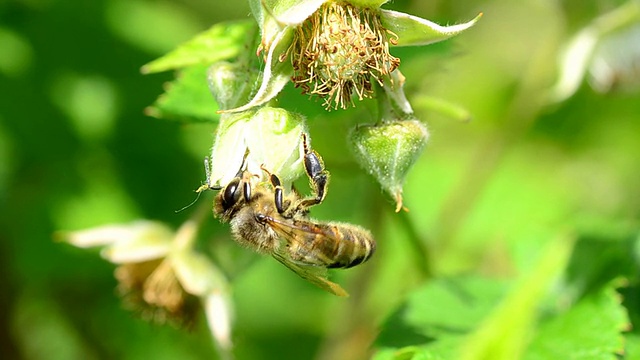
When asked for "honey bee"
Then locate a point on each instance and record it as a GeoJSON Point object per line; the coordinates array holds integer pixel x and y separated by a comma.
{"type": "Point", "coordinates": [269, 221]}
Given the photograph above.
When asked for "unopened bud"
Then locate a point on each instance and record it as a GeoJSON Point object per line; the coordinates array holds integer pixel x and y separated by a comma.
{"type": "Point", "coordinates": [230, 84]}
{"type": "Point", "coordinates": [269, 138]}
{"type": "Point", "coordinates": [388, 150]}
{"type": "Point", "coordinates": [274, 139]}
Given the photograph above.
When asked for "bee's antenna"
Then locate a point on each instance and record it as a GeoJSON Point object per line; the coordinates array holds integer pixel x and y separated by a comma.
{"type": "Point", "coordinates": [189, 205]}
{"type": "Point", "coordinates": [206, 186]}
{"type": "Point", "coordinates": [199, 191]}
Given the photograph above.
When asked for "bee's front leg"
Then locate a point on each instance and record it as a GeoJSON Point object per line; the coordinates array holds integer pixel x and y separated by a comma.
{"type": "Point", "coordinates": [277, 190]}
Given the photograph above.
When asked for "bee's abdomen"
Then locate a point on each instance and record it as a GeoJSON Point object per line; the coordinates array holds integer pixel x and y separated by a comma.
{"type": "Point", "coordinates": [345, 245]}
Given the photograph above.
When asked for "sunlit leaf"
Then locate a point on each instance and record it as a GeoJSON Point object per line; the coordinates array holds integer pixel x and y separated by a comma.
{"type": "Point", "coordinates": [407, 353]}
{"type": "Point", "coordinates": [221, 42]}
{"type": "Point", "coordinates": [504, 334]}
{"type": "Point", "coordinates": [595, 262]}
{"type": "Point", "coordinates": [187, 98]}
{"type": "Point", "coordinates": [590, 330]}
{"type": "Point", "coordinates": [441, 311]}
{"type": "Point", "coordinates": [632, 346]}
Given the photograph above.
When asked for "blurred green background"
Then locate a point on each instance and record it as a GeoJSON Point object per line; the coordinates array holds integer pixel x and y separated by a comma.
{"type": "Point", "coordinates": [486, 197]}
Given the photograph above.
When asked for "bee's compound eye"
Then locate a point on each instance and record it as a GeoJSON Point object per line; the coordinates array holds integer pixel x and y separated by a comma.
{"type": "Point", "coordinates": [231, 193]}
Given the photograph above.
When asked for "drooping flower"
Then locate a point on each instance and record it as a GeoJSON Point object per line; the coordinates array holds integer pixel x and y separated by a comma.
{"type": "Point", "coordinates": [334, 49]}
{"type": "Point", "coordinates": [606, 49]}
{"type": "Point", "coordinates": [161, 276]}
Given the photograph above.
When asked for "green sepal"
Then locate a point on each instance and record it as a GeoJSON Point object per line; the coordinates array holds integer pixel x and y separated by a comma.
{"type": "Point", "coordinates": [276, 74]}
{"type": "Point", "coordinates": [415, 31]}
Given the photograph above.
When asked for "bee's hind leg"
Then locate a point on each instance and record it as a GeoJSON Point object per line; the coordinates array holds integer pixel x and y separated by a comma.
{"type": "Point", "coordinates": [318, 175]}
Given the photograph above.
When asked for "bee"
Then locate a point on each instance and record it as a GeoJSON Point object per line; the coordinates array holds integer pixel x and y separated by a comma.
{"type": "Point", "coordinates": [265, 219]}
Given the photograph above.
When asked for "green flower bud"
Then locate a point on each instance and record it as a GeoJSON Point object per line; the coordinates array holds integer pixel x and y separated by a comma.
{"type": "Point", "coordinates": [230, 84]}
{"type": "Point", "coordinates": [274, 140]}
{"type": "Point", "coordinates": [388, 150]}
{"type": "Point", "coordinates": [269, 137]}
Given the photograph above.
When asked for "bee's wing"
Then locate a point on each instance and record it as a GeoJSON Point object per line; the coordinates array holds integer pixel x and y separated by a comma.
{"type": "Point", "coordinates": [314, 274]}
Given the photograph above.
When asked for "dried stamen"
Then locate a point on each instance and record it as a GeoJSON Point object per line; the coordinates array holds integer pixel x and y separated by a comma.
{"type": "Point", "coordinates": [338, 50]}
{"type": "Point", "coordinates": [152, 289]}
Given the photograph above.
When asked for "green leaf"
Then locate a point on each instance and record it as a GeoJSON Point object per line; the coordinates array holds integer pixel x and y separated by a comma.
{"type": "Point", "coordinates": [596, 261]}
{"type": "Point", "coordinates": [440, 312]}
{"type": "Point", "coordinates": [414, 31]}
{"type": "Point", "coordinates": [187, 98]}
{"type": "Point", "coordinates": [504, 334]}
{"type": "Point", "coordinates": [407, 353]}
{"type": "Point", "coordinates": [221, 42]}
{"type": "Point", "coordinates": [590, 330]}
{"type": "Point", "coordinates": [437, 319]}
{"type": "Point", "coordinates": [632, 346]}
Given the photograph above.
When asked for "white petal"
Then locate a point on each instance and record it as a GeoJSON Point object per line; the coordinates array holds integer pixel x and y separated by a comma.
{"type": "Point", "coordinates": [146, 240]}
{"type": "Point", "coordinates": [196, 273]}
{"type": "Point", "coordinates": [98, 236]}
{"type": "Point", "coordinates": [219, 312]}
{"type": "Point", "coordinates": [228, 149]}
{"type": "Point", "coordinates": [573, 64]}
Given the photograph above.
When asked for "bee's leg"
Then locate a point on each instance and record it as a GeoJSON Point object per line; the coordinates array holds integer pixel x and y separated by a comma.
{"type": "Point", "coordinates": [277, 190]}
{"type": "Point", "coordinates": [318, 176]}
{"type": "Point", "coordinates": [230, 194]}
{"type": "Point", "coordinates": [246, 191]}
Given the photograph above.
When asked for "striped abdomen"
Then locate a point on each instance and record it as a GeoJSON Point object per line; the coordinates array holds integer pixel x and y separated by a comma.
{"type": "Point", "coordinates": [331, 245]}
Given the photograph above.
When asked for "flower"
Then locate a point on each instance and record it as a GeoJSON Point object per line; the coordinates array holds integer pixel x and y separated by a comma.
{"type": "Point", "coordinates": [339, 50]}
{"type": "Point", "coordinates": [607, 49]}
{"type": "Point", "coordinates": [160, 274]}
{"type": "Point", "coordinates": [333, 49]}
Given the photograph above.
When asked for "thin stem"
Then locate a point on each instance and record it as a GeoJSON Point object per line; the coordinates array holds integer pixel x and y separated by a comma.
{"type": "Point", "coordinates": [419, 248]}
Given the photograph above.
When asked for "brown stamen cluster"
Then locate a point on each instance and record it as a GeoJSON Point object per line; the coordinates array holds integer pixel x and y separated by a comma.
{"type": "Point", "coordinates": [152, 289]}
{"type": "Point", "coordinates": [337, 51]}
